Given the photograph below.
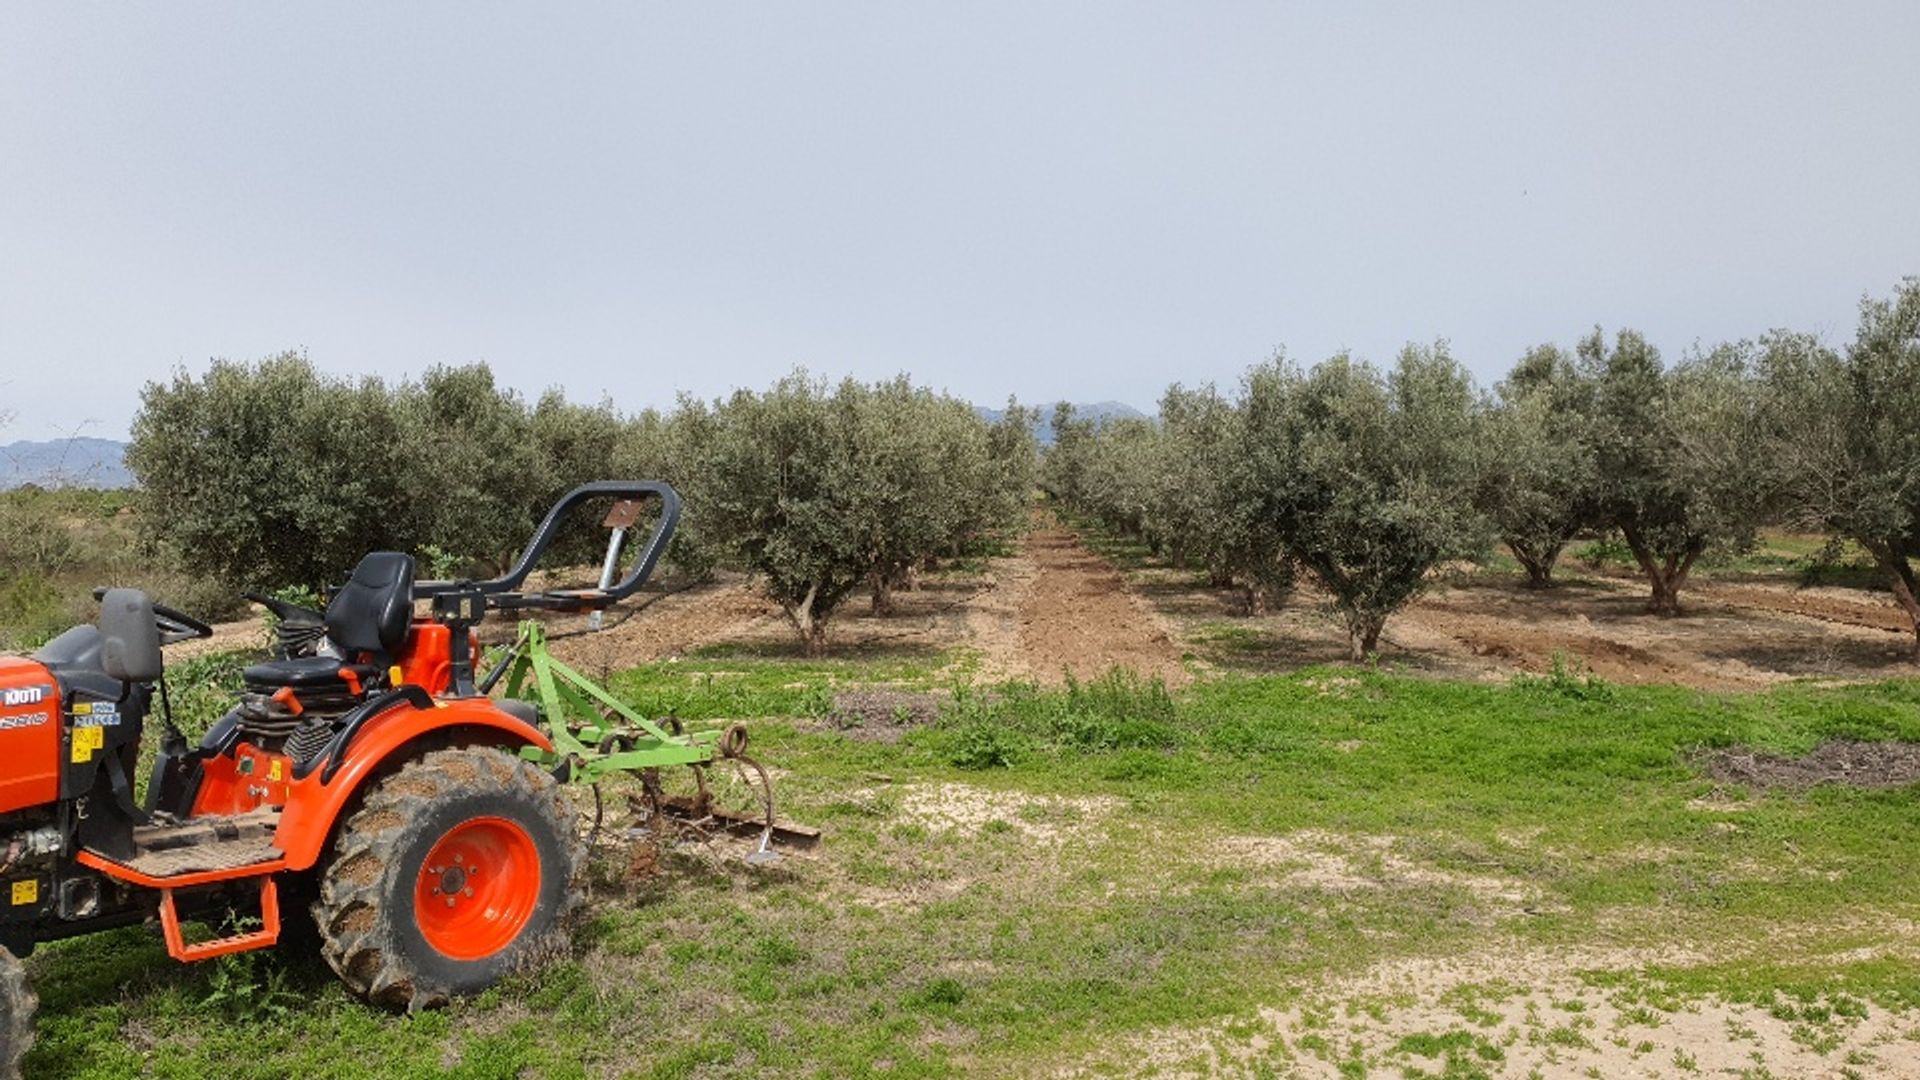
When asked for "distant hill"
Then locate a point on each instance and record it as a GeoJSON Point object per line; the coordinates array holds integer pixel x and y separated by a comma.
{"type": "Point", "coordinates": [75, 462]}
{"type": "Point", "coordinates": [1098, 411]}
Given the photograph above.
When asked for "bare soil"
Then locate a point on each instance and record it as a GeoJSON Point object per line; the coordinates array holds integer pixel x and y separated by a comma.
{"type": "Point", "coordinates": [1064, 610]}
{"type": "Point", "coordinates": [879, 714]}
{"type": "Point", "coordinates": [1487, 626]}
{"type": "Point", "coordinates": [1855, 764]}
{"type": "Point", "coordinates": [1053, 607]}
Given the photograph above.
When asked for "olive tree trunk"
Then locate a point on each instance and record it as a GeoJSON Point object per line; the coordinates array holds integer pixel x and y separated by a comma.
{"type": "Point", "coordinates": [809, 623]}
{"type": "Point", "coordinates": [1665, 573]}
{"type": "Point", "coordinates": [1363, 633]}
{"type": "Point", "coordinates": [1538, 559]}
{"type": "Point", "coordinates": [1900, 578]}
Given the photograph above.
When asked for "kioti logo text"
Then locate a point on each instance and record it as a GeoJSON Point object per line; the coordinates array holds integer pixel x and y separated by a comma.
{"type": "Point", "coordinates": [16, 696]}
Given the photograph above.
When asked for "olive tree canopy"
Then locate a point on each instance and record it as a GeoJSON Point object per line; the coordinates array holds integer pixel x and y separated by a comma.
{"type": "Point", "coordinates": [1366, 478]}
{"type": "Point", "coordinates": [1845, 436]}
{"type": "Point", "coordinates": [1537, 481]}
{"type": "Point", "coordinates": [1675, 454]}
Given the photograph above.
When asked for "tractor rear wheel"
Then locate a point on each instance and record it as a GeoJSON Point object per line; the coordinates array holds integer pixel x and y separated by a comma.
{"type": "Point", "coordinates": [456, 870]}
{"type": "Point", "coordinates": [16, 1015]}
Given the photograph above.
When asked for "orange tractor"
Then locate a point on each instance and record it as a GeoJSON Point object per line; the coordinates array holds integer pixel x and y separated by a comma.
{"type": "Point", "coordinates": [367, 775]}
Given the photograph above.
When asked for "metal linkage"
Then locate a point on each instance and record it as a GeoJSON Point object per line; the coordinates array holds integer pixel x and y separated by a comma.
{"type": "Point", "coordinates": [597, 736]}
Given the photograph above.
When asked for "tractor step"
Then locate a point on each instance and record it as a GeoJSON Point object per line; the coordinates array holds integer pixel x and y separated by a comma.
{"type": "Point", "coordinates": [202, 852]}
{"type": "Point", "coordinates": [187, 952]}
{"type": "Point", "coordinates": [216, 857]}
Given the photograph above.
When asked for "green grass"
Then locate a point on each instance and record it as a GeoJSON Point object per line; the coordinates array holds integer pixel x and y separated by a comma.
{"type": "Point", "coordinates": [1798, 558]}
{"type": "Point", "coordinates": [733, 683]}
{"type": "Point", "coordinates": [1096, 895]}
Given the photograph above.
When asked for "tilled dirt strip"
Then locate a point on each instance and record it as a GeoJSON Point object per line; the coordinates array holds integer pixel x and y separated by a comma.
{"type": "Point", "coordinates": [1080, 616]}
{"type": "Point", "coordinates": [1814, 603]}
{"type": "Point", "coordinates": [1062, 609]}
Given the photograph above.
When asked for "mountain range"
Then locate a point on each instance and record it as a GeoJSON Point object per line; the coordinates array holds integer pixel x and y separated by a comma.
{"type": "Point", "coordinates": [81, 461]}
{"type": "Point", "coordinates": [1099, 412]}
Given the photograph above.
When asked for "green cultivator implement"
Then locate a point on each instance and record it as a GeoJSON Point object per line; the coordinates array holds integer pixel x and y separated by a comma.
{"type": "Point", "coordinates": [701, 780]}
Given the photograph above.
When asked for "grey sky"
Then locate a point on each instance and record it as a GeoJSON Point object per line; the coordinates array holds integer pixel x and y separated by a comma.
{"type": "Point", "coordinates": [1049, 199]}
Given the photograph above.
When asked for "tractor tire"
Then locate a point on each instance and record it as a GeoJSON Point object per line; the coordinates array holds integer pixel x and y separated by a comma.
{"type": "Point", "coordinates": [16, 1015]}
{"type": "Point", "coordinates": [456, 870]}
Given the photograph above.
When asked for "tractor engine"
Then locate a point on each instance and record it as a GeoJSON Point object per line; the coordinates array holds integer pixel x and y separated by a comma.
{"type": "Point", "coordinates": [276, 720]}
{"type": "Point", "coordinates": [269, 716]}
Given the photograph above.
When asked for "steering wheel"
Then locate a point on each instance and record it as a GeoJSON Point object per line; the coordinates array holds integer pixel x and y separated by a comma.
{"type": "Point", "coordinates": [284, 611]}
{"type": "Point", "coordinates": [174, 624]}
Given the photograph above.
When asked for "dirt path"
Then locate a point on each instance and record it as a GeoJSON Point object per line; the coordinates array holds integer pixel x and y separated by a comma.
{"type": "Point", "coordinates": [669, 624]}
{"type": "Point", "coordinates": [1846, 607]}
{"type": "Point", "coordinates": [1054, 607]}
{"type": "Point", "coordinates": [1058, 608]}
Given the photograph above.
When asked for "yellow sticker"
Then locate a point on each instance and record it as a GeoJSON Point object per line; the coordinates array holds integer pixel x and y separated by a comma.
{"type": "Point", "coordinates": [26, 892]}
{"type": "Point", "coordinates": [273, 771]}
{"type": "Point", "coordinates": [86, 740]}
{"type": "Point", "coordinates": [83, 709]}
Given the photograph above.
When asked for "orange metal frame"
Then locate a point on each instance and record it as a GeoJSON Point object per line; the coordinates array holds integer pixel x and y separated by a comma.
{"type": "Point", "coordinates": [177, 946]}
{"type": "Point", "coordinates": [306, 823]}
{"type": "Point", "coordinates": [262, 938]}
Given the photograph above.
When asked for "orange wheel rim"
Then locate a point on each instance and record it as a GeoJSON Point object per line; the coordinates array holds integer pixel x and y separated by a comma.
{"type": "Point", "coordinates": [478, 888]}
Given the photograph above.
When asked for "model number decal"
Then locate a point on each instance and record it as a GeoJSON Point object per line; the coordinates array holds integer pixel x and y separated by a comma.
{"type": "Point", "coordinates": [96, 714]}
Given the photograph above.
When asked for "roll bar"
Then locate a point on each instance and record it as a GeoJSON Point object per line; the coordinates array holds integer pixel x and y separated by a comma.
{"type": "Point", "coordinates": [504, 591]}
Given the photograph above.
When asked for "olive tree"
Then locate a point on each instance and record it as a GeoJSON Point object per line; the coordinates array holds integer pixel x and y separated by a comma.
{"type": "Point", "coordinates": [1538, 475]}
{"type": "Point", "coordinates": [921, 471]}
{"type": "Point", "coordinates": [772, 480]}
{"type": "Point", "coordinates": [1844, 444]}
{"type": "Point", "coordinates": [472, 461]}
{"type": "Point", "coordinates": [267, 474]}
{"type": "Point", "coordinates": [1675, 452]}
{"type": "Point", "coordinates": [1209, 497]}
{"type": "Point", "coordinates": [670, 446]}
{"type": "Point", "coordinates": [1366, 478]}
{"type": "Point", "coordinates": [822, 491]}
{"type": "Point", "coordinates": [1013, 470]}
{"type": "Point", "coordinates": [1119, 486]}
{"type": "Point", "coordinates": [1065, 467]}
{"type": "Point", "coordinates": [1185, 479]}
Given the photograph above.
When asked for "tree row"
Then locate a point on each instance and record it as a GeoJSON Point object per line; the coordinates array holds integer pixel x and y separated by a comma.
{"type": "Point", "coordinates": [1368, 480]}
{"type": "Point", "coordinates": [270, 474]}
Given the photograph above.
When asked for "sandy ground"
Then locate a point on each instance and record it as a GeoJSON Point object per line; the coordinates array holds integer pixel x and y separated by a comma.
{"type": "Point", "coordinates": [1514, 1011]}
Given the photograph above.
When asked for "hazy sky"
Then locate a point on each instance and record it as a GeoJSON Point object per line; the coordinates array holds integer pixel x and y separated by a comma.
{"type": "Point", "coordinates": [1048, 199]}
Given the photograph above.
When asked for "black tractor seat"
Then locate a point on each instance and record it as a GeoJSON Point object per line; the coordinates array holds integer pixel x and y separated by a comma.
{"type": "Point", "coordinates": [305, 673]}
{"type": "Point", "coordinates": [367, 620]}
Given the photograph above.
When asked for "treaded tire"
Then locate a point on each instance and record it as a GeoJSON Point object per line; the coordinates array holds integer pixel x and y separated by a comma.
{"type": "Point", "coordinates": [375, 913]}
{"type": "Point", "coordinates": [17, 1004]}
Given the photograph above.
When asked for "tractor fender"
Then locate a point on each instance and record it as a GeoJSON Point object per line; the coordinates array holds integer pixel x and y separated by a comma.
{"type": "Point", "coordinates": [314, 804]}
